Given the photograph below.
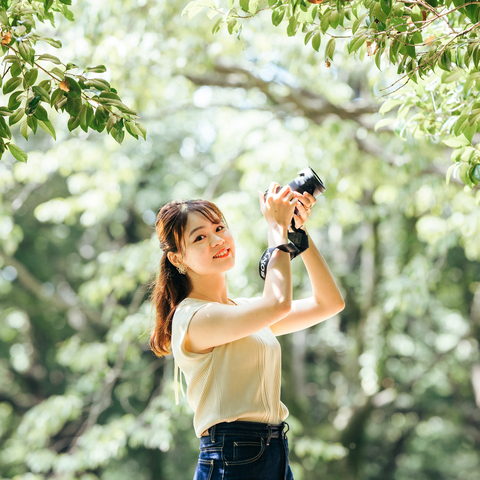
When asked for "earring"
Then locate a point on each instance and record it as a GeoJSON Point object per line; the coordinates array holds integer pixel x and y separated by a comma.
{"type": "Point", "coordinates": [182, 269]}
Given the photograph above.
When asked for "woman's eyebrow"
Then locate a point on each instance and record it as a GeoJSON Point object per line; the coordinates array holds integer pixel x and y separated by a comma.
{"type": "Point", "coordinates": [195, 229]}
{"type": "Point", "coordinates": [203, 226]}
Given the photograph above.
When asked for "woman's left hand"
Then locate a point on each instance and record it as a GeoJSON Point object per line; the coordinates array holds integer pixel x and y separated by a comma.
{"type": "Point", "coordinates": [303, 208]}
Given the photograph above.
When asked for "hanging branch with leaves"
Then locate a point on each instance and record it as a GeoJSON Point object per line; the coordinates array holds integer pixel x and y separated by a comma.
{"type": "Point", "coordinates": [434, 44]}
{"type": "Point", "coordinates": [33, 87]}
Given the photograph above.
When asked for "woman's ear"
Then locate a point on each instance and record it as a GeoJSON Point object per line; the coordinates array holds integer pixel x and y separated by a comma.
{"type": "Point", "coordinates": [174, 258]}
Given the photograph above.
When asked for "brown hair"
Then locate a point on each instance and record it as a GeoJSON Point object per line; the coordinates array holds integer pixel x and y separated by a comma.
{"type": "Point", "coordinates": [172, 287]}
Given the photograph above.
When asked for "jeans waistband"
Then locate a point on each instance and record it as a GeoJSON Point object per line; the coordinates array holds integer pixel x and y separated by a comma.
{"type": "Point", "coordinates": [270, 430]}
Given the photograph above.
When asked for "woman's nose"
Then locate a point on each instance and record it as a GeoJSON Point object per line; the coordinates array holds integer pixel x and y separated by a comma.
{"type": "Point", "coordinates": [217, 240]}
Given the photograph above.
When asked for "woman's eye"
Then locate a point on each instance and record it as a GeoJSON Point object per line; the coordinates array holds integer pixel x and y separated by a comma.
{"type": "Point", "coordinates": [199, 238]}
{"type": "Point", "coordinates": [221, 227]}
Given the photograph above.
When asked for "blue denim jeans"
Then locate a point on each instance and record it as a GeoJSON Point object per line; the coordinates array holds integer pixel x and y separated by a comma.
{"type": "Point", "coordinates": [244, 451]}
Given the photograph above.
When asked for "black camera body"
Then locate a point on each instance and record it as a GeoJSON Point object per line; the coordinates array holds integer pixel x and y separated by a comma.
{"type": "Point", "coordinates": [306, 181]}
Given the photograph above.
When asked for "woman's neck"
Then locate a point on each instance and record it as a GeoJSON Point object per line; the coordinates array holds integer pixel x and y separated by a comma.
{"type": "Point", "coordinates": [213, 288]}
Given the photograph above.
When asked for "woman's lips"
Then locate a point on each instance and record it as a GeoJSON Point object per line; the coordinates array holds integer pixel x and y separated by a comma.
{"type": "Point", "coordinates": [223, 253]}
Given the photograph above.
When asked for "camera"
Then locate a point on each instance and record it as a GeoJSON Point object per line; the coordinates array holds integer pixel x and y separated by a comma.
{"type": "Point", "coordinates": [306, 181]}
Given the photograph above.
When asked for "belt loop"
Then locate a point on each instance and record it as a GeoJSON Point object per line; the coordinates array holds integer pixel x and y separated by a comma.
{"type": "Point", "coordinates": [212, 433]}
{"type": "Point", "coordinates": [288, 429]}
{"type": "Point", "coordinates": [269, 435]}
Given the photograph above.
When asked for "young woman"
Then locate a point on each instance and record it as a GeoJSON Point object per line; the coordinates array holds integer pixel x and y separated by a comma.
{"type": "Point", "coordinates": [227, 349]}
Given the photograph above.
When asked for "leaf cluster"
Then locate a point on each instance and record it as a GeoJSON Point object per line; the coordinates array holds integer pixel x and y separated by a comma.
{"type": "Point", "coordinates": [34, 88]}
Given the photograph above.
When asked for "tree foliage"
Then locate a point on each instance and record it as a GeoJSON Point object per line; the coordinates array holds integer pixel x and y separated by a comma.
{"type": "Point", "coordinates": [432, 43]}
{"type": "Point", "coordinates": [389, 389]}
{"type": "Point", "coordinates": [34, 83]}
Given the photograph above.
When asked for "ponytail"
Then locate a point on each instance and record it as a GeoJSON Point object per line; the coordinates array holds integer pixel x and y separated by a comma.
{"type": "Point", "coordinates": [168, 291]}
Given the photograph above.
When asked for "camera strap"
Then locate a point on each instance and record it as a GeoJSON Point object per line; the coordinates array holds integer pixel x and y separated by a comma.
{"type": "Point", "coordinates": [267, 254]}
{"type": "Point", "coordinates": [299, 238]}
{"type": "Point", "coordinates": [298, 244]}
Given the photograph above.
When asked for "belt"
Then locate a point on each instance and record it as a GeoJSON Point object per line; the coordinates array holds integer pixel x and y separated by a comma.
{"type": "Point", "coordinates": [273, 430]}
{"type": "Point", "coordinates": [275, 433]}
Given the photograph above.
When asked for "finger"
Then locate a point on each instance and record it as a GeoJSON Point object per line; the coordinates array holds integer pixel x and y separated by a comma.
{"type": "Point", "coordinates": [310, 198]}
{"type": "Point", "coordinates": [285, 191]}
{"type": "Point", "coordinates": [293, 201]}
{"type": "Point", "coordinates": [289, 197]}
{"type": "Point", "coordinates": [273, 187]}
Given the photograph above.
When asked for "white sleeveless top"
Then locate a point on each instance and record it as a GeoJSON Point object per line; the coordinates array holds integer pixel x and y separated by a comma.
{"type": "Point", "coordinates": [239, 380]}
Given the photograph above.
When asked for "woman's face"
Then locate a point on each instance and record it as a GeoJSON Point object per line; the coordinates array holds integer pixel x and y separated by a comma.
{"type": "Point", "coordinates": [209, 248]}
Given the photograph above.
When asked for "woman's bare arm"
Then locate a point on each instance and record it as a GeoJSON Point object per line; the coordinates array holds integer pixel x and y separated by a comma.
{"type": "Point", "coordinates": [326, 301]}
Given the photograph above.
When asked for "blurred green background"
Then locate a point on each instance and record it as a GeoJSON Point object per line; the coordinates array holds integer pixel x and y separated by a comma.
{"type": "Point", "coordinates": [388, 389]}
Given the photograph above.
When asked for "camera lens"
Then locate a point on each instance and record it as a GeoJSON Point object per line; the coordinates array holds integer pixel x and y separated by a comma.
{"type": "Point", "coordinates": [308, 181]}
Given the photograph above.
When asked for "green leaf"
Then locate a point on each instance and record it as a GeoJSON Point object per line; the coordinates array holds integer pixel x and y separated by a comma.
{"type": "Point", "coordinates": [308, 36]}
{"type": "Point", "coordinates": [49, 58]}
{"type": "Point", "coordinates": [389, 105]}
{"type": "Point", "coordinates": [355, 42]}
{"type": "Point", "coordinates": [330, 49]}
{"type": "Point", "coordinates": [357, 23]}
{"type": "Point", "coordinates": [410, 48]}
{"type": "Point", "coordinates": [57, 95]}
{"type": "Point", "coordinates": [16, 117]}
{"type": "Point", "coordinates": [48, 127]}
{"type": "Point", "coordinates": [11, 85]}
{"type": "Point", "coordinates": [75, 90]}
{"type": "Point", "coordinates": [386, 6]}
{"type": "Point", "coordinates": [73, 106]}
{"type": "Point", "coordinates": [399, 23]}
{"type": "Point", "coordinates": [456, 142]}
{"type": "Point", "coordinates": [292, 26]}
{"type": "Point", "coordinates": [26, 51]}
{"type": "Point", "coordinates": [24, 129]}
{"type": "Point", "coordinates": [13, 101]}
{"type": "Point", "coordinates": [460, 124]}
{"type": "Point", "coordinates": [73, 123]}
{"type": "Point", "coordinates": [32, 122]}
{"type": "Point", "coordinates": [417, 16]}
{"type": "Point", "coordinates": [97, 69]}
{"type": "Point", "coordinates": [90, 115]}
{"type": "Point", "coordinates": [59, 73]}
{"type": "Point", "coordinates": [469, 131]}
{"type": "Point", "coordinates": [277, 16]}
{"type": "Point", "coordinates": [244, 5]}
{"type": "Point", "coordinates": [4, 129]}
{"type": "Point", "coordinates": [101, 114]}
{"type": "Point", "coordinates": [324, 20]}
{"type": "Point", "coordinates": [142, 129]}
{"type": "Point", "coordinates": [383, 123]}
{"type": "Point", "coordinates": [253, 6]}
{"type": "Point", "coordinates": [52, 42]}
{"type": "Point", "coordinates": [42, 92]}
{"type": "Point", "coordinates": [31, 76]}
{"type": "Point", "coordinates": [98, 83]}
{"type": "Point", "coordinates": [41, 114]}
{"type": "Point", "coordinates": [316, 40]}
{"type": "Point", "coordinates": [271, 3]}
{"type": "Point", "coordinates": [475, 174]}
{"type": "Point", "coordinates": [217, 25]}
{"type": "Point", "coordinates": [132, 129]}
{"type": "Point", "coordinates": [17, 152]}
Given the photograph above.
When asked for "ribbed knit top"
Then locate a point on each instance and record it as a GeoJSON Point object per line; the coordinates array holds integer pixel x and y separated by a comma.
{"type": "Point", "coordinates": [240, 380]}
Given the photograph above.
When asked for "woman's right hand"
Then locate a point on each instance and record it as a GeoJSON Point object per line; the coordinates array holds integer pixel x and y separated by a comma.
{"type": "Point", "coordinates": [279, 206]}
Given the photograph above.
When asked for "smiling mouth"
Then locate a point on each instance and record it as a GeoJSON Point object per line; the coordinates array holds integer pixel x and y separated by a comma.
{"type": "Point", "coordinates": [223, 253]}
